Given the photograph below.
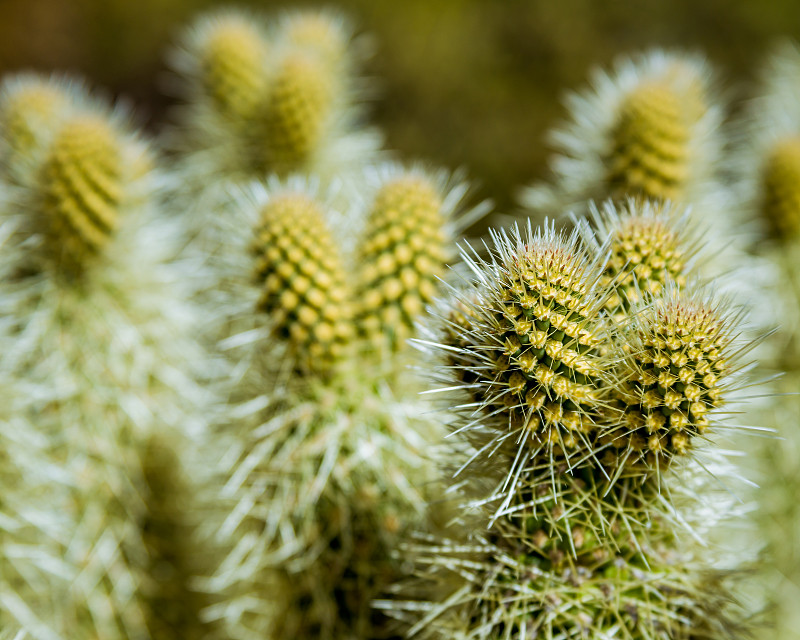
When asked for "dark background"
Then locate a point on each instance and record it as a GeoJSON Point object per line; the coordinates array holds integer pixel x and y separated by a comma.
{"type": "Point", "coordinates": [472, 83]}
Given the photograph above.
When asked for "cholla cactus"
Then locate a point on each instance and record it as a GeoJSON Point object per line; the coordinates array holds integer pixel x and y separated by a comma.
{"type": "Point", "coordinates": [678, 371]}
{"type": "Point", "coordinates": [413, 220]}
{"type": "Point", "coordinates": [764, 166]}
{"type": "Point", "coordinates": [297, 113]}
{"type": "Point", "coordinates": [649, 129]}
{"type": "Point", "coordinates": [261, 98]}
{"type": "Point", "coordinates": [649, 247]}
{"type": "Point", "coordinates": [569, 531]}
{"type": "Point", "coordinates": [88, 282]}
{"type": "Point", "coordinates": [305, 285]}
{"type": "Point", "coordinates": [30, 109]}
{"type": "Point", "coordinates": [325, 461]}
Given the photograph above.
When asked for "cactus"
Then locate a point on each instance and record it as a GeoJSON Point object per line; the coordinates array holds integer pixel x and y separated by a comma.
{"type": "Point", "coordinates": [676, 373]}
{"type": "Point", "coordinates": [296, 115]}
{"type": "Point", "coordinates": [322, 32]}
{"type": "Point", "coordinates": [305, 287]}
{"type": "Point", "coordinates": [265, 96]}
{"type": "Point", "coordinates": [649, 247]}
{"type": "Point", "coordinates": [650, 144]}
{"type": "Point", "coordinates": [81, 191]}
{"type": "Point", "coordinates": [89, 282]}
{"type": "Point", "coordinates": [30, 108]}
{"type": "Point", "coordinates": [574, 523]}
{"type": "Point", "coordinates": [325, 443]}
{"type": "Point", "coordinates": [648, 129]}
{"type": "Point", "coordinates": [232, 66]}
{"type": "Point", "coordinates": [781, 199]}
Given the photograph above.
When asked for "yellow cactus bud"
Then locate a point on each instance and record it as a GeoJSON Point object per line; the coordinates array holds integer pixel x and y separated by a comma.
{"type": "Point", "coordinates": [305, 284]}
{"type": "Point", "coordinates": [403, 254]}
{"type": "Point", "coordinates": [678, 370]}
{"type": "Point", "coordinates": [781, 188]}
{"type": "Point", "coordinates": [650, 144]}
{"type": "Point", "coordinates": [296, 113]}
{"type": "Point", "coordinates": [81, 190]}
{"type": "Point", "coordinates": [648, 250]}
{"type": "Point", "coordinates": [233, 73]}
{"type": "Point", "coordinates": [528, 340]}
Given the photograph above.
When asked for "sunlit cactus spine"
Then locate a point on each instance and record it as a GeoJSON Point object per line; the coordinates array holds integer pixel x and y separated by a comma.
{"type": "Point", "coordinates": [649, 128]}
{"type": "Point", "coordinates": [572, 545]}
{"type": "Point", "coordinates": [89, 281]}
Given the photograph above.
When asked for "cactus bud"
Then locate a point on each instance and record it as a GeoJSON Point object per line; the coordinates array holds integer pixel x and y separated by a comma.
{"type": "Point", "coordinates": [403, 254]}
{"type": "Point", "coordinates": [29, 109]}
{"type": "Point", "coordinates": [232, 63]}
{"type": "Point", "coordinates": [678, 371]}
{"type": "Point", "coordinates": [648, 250]}
{"type": "Point", "coordinates": [305, 284]}
{"type": "Point", "coordinates": [529, 352]}
{"type": "Point", "coordinates": [82, 189]}
{"type": "Point", "coordinates": [781, 194]}
{"type": "Point", "coordinates": [650, 144]}
{"type": "Point", "coordinates": [297, 112]}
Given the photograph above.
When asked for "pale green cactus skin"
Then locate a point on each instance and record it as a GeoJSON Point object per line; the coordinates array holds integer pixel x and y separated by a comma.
{"type": "Point", "coordinates": [560, 537]}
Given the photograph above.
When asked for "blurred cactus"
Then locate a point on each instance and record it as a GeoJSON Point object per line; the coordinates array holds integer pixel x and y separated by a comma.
{"type": "Point", "coordinates": [232, 52]}
{"type": "Point", "coordinates": [649, 129]}
{"type": "Point", "coordinates": [305, 285]}
{"type": "Point", "coordinates": [297, 113]}
{"type": "Point", "coordinates": [265, 97]}
{"type": "Point", "coordinates": [650, 144]}
{"type": "Point", "coordinates": [88, 216]}
{"type": "Point", "coordinates": [781, 198]}
{"type": "Point", "coordinates": [30, 108]}
{"type": "Point", "coordinates": [81, 190]}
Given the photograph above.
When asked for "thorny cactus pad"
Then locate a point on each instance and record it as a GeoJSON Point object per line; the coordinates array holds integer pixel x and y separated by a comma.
{"type": "Point", "coordinates": [678, 369]}
{"type": "Point", "coordinates": [305, 285]}
{"type": "Point", "coordinates": [81, 190]}
{"type": "Point", "coordinates": [297, 112]}
{"type": "Point", "coordinates": [781, 188]}
{"type": "Point", "coordinates": [403, 254]}
{"type": "Point", "coordinates": [233, 67]}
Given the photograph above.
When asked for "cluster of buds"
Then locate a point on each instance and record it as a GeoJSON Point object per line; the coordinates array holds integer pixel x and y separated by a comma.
{"type": "Point", "coordinates": [590, 381]}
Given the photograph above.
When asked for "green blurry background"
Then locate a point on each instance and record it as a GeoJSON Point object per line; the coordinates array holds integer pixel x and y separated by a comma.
{"type": "Point", "coordinates": [472, 83]}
